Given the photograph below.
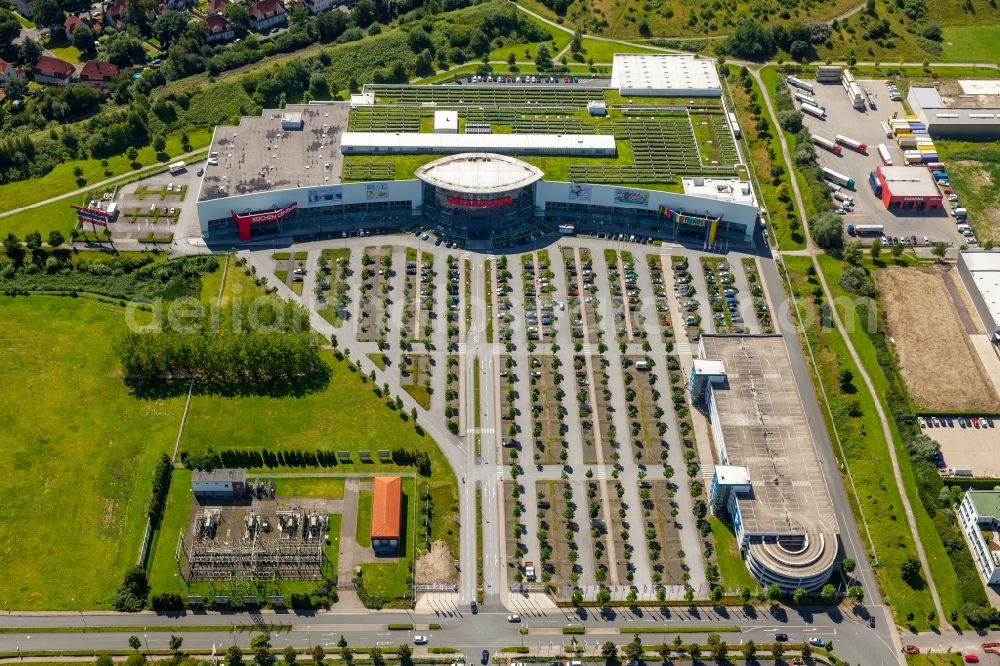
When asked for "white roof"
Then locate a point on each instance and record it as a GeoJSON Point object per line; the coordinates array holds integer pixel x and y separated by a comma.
{"type": "Point", "coordinates": [732, 475]}
{"type": "Point", "coordinates": [978, 260]}
{"type": "Point", "coordinates": [723, 189]}
{"type": "Point", "coordinates": [478, 172]}
{"type": "Point", "coordinates": [709, 367]}
{"type": "Point", "coordinates": [423, 142]}
{"type": "Point", "coordinates": [906, 181]}
{"type": "Point", "coordinates": [985, 270]}
{"type": "Point", "coordinates": [446, 120]}
{"type": "Point", "coordinates": [983, 87]}
{"type": "Point", "coordinates": [656, 74]}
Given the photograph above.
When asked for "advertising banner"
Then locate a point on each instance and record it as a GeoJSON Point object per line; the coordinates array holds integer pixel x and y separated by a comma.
{"type": "Point", "coordinates": [580, 192]}
{"type": "Point", "coordinates": [631, 197]}
{"type": "Point", "coordinates": [376, 191]}
{"type": "Point", "coordinates": [325, 195]}
{"type": "Point", "coordinates": [244, 221]}
{"type": "Point", "coordinates": [91, 216]}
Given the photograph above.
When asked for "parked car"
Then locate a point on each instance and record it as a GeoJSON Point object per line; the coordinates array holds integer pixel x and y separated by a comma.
{"type": "Point", "coordinates": [514, 618]}
{"type": "Point", "coordinates": [971, 659]}
{"type": "Point", "coordinates": [911, 649]}
{"type": "Point", "coordinates": [817, 641]}
{"type": "Point", "coordinates": [486, 656]}
{"type": "Point", "coordinates": [420, 640]}
{"type": "Point", "coordinates": [781, 636]}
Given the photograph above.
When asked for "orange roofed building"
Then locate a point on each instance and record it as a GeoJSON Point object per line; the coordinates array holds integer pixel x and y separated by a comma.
{"type": "Point", "coordinates": [387, 499]}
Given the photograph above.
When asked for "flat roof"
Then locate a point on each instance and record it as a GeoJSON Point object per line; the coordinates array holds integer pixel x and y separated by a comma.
{"type": "Point", "coordinates": [704, 366]}
{"type": "Point", "coordinates": [479, 172]}
{"type": "Point", "coordinates": [987, 502]}
{"type": "Point", "coordinates": [980, 86]}
{"type": "Point", "coordinates": [258, 155]}
{"type": "Point", "coordinates": [764, 427]}
{"type": "Point", "coordinates": [219, 475]}
{"type": "Point", "coordinates": [956, 103]}
{"type": "Point", "coordinates": [984, 267]}
{"type": "Point", "coordinates": [654, 73]}
{"type": "Point", "coordinates": [387, 498]}
{"type": "Point", "coordinates": [910, 181]}
{"type": "Point", "coordinates": [388, 142]}
{"type": "Point", "coordinates": [723, 189]}
{"type": "Point", "coordinates": [732, 475]}
{"type": "Point", "coordinates": [446, 120]}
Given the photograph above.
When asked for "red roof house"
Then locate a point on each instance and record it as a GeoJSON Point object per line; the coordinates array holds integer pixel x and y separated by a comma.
{"type": "Point", "coordinates": [266, 13]}
{"type": "Point", "coordinates": [53, 70]}
{"type": "Point", "coordinates": [98, 73]}
{"type": "Point", "coordinates": [218, 28]}
{"type": "Point", "coordinates": [387, 500]}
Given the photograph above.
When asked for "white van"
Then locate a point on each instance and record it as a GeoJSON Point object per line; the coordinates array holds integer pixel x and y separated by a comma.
{"type": "Point", "coordinates": [959, 212]}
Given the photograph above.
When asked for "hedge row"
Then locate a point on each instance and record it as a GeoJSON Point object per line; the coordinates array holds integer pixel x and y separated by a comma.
{"type": "Point", "coordinates": [254, 458]}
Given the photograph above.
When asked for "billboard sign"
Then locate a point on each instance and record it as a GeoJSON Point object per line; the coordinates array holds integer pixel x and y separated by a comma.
{"type": "Point", "coordinates": [92, 216]}
{"type": "Point", "coordinates": [325, 195]}
{"type": "Point", "coordinates": [480, 203]}
{"type": "Point", "coordinates": [629, 197]}
{"type": "Point", "coordinates": [376, 191]}
{"type": "Point", "coordinates": [244, 221]}
{"type": "Point", "coordinates": [580, 192]}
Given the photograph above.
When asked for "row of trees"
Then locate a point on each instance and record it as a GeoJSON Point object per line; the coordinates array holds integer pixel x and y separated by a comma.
{"type": "Point", "coordinates": [211, 459]}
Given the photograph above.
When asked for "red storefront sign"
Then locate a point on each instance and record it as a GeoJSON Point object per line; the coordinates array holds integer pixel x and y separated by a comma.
{"type": "Point", "coordinates": [480, 203]}
{"type": "Point", "coordinates": [243, 222]}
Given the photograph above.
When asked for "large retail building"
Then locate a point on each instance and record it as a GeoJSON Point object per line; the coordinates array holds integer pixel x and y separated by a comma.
{"type": "Point", "coordinates": [283, 173]}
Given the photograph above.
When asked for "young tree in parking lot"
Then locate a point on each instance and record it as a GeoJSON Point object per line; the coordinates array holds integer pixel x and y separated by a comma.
{"type": "Point", "coordinates": [609, 651]}
{"type": "Point", "coordinates": [828, 594]}
{"type": "Point", "coordinates": [134, 642]}
{"type": "Point", "coordinates": [777, 651]}
{"type": "Point", "coordinates": [749, 650]}
{"type": "Point", "coordinates": [772, 593]}
{"type": "Point", "coordinates": [318, 654]}
{"type": "Point", "coordinates": [856, 593]}
{"type": "Point", "coordinates": [289, 656]}
{"type": "Point", "coordinates": [634, 651]}
{"type": "Point", "coordinates": [939, 249]}
{"type": "Point", "coordinates": [876, 248]}
{"type": "Point", "coordinates": [603, 596]}
{"type": "Point", "coordinates": [405, 654]}
{"type": "Point", "coordinates": [234, 656]}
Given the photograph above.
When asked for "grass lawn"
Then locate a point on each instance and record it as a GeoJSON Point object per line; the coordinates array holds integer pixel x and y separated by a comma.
{"type": "Point", "coordinates": [238, 285]}
{"type": "Point", "coordinates": [933, 659]}
{"type": "Point", "coordinates": [979, 43]}
{"type": "Point", "coordinates": [69, 53]}
{"type": "Point", "coordinates": [25, 23]}
{"type": "Point", "coordinates": [523, 52]}
{"type": "Point", "coordinates": [974, 172]}
{"type": "Point", "coordinates": [56, 215]}
{"type": "Point", "coordinates": [419, 393]}
{"type": "Point", "coordinates": [61, 179]}
{"type": "Point", "coordinates": [868, 459]}
{"type": "Point", "coordinates": [327, 487]}
{"type": "Point", "coordinates": [71, 430]}
{"type": "Point", "coordinates": [941, 568]}
{"type": "Point", "coordinates": [363, 528]}
{"type": "Point", "coordinates": [727, 555]}
{"type": "Point", "coordinates": [604, 52]}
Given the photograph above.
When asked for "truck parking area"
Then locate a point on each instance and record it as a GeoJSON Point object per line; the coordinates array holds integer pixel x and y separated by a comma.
{"type": "Point", "coordinates": [865, 127]}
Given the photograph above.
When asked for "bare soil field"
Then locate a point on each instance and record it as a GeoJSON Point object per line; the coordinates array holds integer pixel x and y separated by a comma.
{"type": "Point", "coordinates": [436, 566]}
{"type": "Point", "coordinates": [938, 362]}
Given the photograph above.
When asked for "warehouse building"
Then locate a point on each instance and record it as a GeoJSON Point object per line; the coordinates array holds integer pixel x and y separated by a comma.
{"type": "Point", "coordinates": [419, 143]}
{"type": "Point", "coordinates": [223, 483]}
{"type": "Point", "coordinates": [768, 483]}
{"type": "Point", "coordinates": [908, 188]}
{"type": "Point", "coordinates": [966, 109]}
{"type": "Point", "coordinates": [664, 75]}
{"type": "Point", "coordinates": [980, 272]}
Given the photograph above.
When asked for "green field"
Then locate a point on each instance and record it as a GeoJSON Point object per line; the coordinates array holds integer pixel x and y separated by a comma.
{"type": "Point", "coordinates": [363, 528]}
{"type": "Point", "coordinates": [321, 487]}
{"type": "Point", "coordinates": [389, 580]}
{"type": "Point", "coordinates": [71, 431]}
{"type": "Point", "coordinates": [526, 52]}
{"type": "Point", "coordinates": [971, 43]}
{"type": "Point", "coordinates": [727, 555]}
{"type": "Point", "coordinates": [868, 459]}
{"type": "Point", "coordinates": [974, 172]}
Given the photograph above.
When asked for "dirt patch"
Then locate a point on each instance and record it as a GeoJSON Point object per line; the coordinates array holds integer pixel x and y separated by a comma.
{"type": "Point", "coordinates": [436, 566]}
{"type": "Point", "coordinates": [108, 517]}
{"type": "Point", "coordinates": [936, 357]}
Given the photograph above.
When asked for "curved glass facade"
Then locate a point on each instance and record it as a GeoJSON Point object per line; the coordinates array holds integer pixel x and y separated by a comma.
{"type": "Point", "coordinates": [479, 216]}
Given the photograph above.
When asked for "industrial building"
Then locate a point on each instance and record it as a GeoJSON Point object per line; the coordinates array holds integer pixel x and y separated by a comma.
{"type": "Point", "coordinates": [223, 484]}
{"type": "Point", "coordinates": [908, 188]}
{"type": "Point", "coordinates": [964, 109]}
{"type": "Point", "coordinates": [980, 272]}
{"type": "Point", "coordinates": [979, 514]}
{"type": "Point", "coordinates": [385, 143]}
{"type": "Point", "coordinates": [664, 75]}
{"type": "Point", "coordinates": [387, 500]}
{"type": "Point", "coordinates": [768, 482]}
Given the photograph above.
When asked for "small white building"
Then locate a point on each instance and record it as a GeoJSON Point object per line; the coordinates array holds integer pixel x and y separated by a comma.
{"type": "Point", "coordinates": [446, 122]}
{"type": "Point", "coordinates": [223, 483]}
{"type": "Point", "coordinates": [979, 515]}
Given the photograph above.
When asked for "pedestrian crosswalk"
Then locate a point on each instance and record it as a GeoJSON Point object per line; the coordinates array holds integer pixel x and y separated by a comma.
{"type": "Point", "coordinates": [480, 431]}
{"type": "Point", "coordinates": [499, 473]}
{"type": "Point", "coordinates": [683, 348]}
{"type": "Point", "coordinates": [462, 347]}
{"type": "Point", "coordinates": [602, 473]}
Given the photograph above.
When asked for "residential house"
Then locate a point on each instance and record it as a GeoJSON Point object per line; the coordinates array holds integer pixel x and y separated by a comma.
{"type": "Point", "coordinates": [217, 6]}
{"type": "Point", "coordinates": [114, 14]}
{"type": "Point", "coordinates": [265, 14]}
{"type": "Point", "coordinates": [387, 504]}
{"type": "Point", "coordinates": [7, 70]}
{"type": "Point", "coordinates": [74, 21]}
{"type": "Point", "coordinates": [53, 70]}
{"type": "Point", "coordinates": [176, 5]}
{"type": "Point", "coordinates": [218, 28]}
{"type": "Point", "coordinates": [317, 6]}
{"type": "Point", "coordinates": [98, 73]}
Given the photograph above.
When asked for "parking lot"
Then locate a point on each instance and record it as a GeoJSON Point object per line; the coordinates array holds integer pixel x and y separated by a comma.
{"type": "Point", "coordinates": [161, 207]}
{"type": "Point", "coordinates": [864, 126]}
{"type": "Point", "coordinates": [972, 450]}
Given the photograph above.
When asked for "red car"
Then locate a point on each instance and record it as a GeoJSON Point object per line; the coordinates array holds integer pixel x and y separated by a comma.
{"type": "Point", "coordinates": [911, 649]}
{"type": "Point", "coordinates": [971, 659]}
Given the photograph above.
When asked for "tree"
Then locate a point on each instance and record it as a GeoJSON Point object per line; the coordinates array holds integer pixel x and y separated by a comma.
{"type": "Point", "coordinates": [827, 230]}
{"type": "Point", "coordinates": [749, 650]}
{"type": "Point", "coordinates": [176, 642]}
{"type": "Point", "coordinates": [806, 650]}
{"type": "Point", "coordinates": [30, 52]}
{"type": "Point", "coordinates": [104, 659]}
{"type": "Point", "coordinates": [856, 593]}
{"type": "Point", "coordinates": [577, 596]}
{"type": "Point", "coordinates": [159, 143]}
{"type": "Point", "coordinates": [932, 31]}
{"type": "Point", "coordinates": [695, 651]}
{"type": "Point", "coordinates": [745, 595]}
{"type": "Point", "coordinates": [848, 565]}
{"type": "Point", "coordinates": [609, 651]}
{"type": "Point", "coordinates": [33, 240]}
{"type": "Point", "coordinates": [10, 29]}
{"type": "Point", "coordinates": [716, 594]}
{"type": "Point", "coordinates": [84, 39]}
{"type": "Point", "coordinates": [749, 40]}
{"type": "Point", "coordinates": [137, 13]}
{"type": "Point", "coordinates": [124, 49]}
{"type": "Point", "coordinates": [855, 280]}
{"type": "Point", "coordinates": [634, 651]}
{"type": "Point", "coordinates": [719, 647]}
{"type": "Point", "coordinates": [47, 13]}
{"type": "Point", "coordinates": [845, 378]}
{"type": "Point", "coordinates": [876, 248]}
{"type": "Point", "coordinates": [239, 17]}
{"type": "Point", "coordinates": [543, 58]}
{"type": "Point", "coordinates": [132, 153]}
{"type": "Point", "coordinates": [828, 594]}
{"type": "Point", "coordinates": [773, 593]}
{"type": "Point", "coordinates": [318, 654]}
{"type": "Point", "coordinates": [319, 87]}
{"type": "Point", "coordinates": [134, 642]}
{"type": "Point", "coordinates": [852, 253]}
{"type": "Point", "coordinates": [288, 654]}
{"type": "Point", "coordinates": [234, 656]}
{"type": "Point", "coordinates": [632, 595]}
{"type": "Point", "coordinates": [330, 25]}
{"type": "Point", "coordinates": [777, 651]}
{"type": "Point", "coordinates": [939, 249]}
{"type": "Point", "coordinates": [799, 595]}
{"type": "Point", "coordinates": [910, 571]}
{"type": "Point", "coordinates": [169, 26]}
{"type": "Point", "coordinates": [261, 644]}
{"type": "Point", "coordinates": [405, 654]}
{"type": "Point", "coordinates": [603, 596]}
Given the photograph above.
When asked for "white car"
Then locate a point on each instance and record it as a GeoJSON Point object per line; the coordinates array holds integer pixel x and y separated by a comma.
{"type": "Point", "coordinates": [817, 641]}
{"type": "Point", "coordinates": [420, 640]}
{"type": "Point", "coordinates": [514, 618]}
